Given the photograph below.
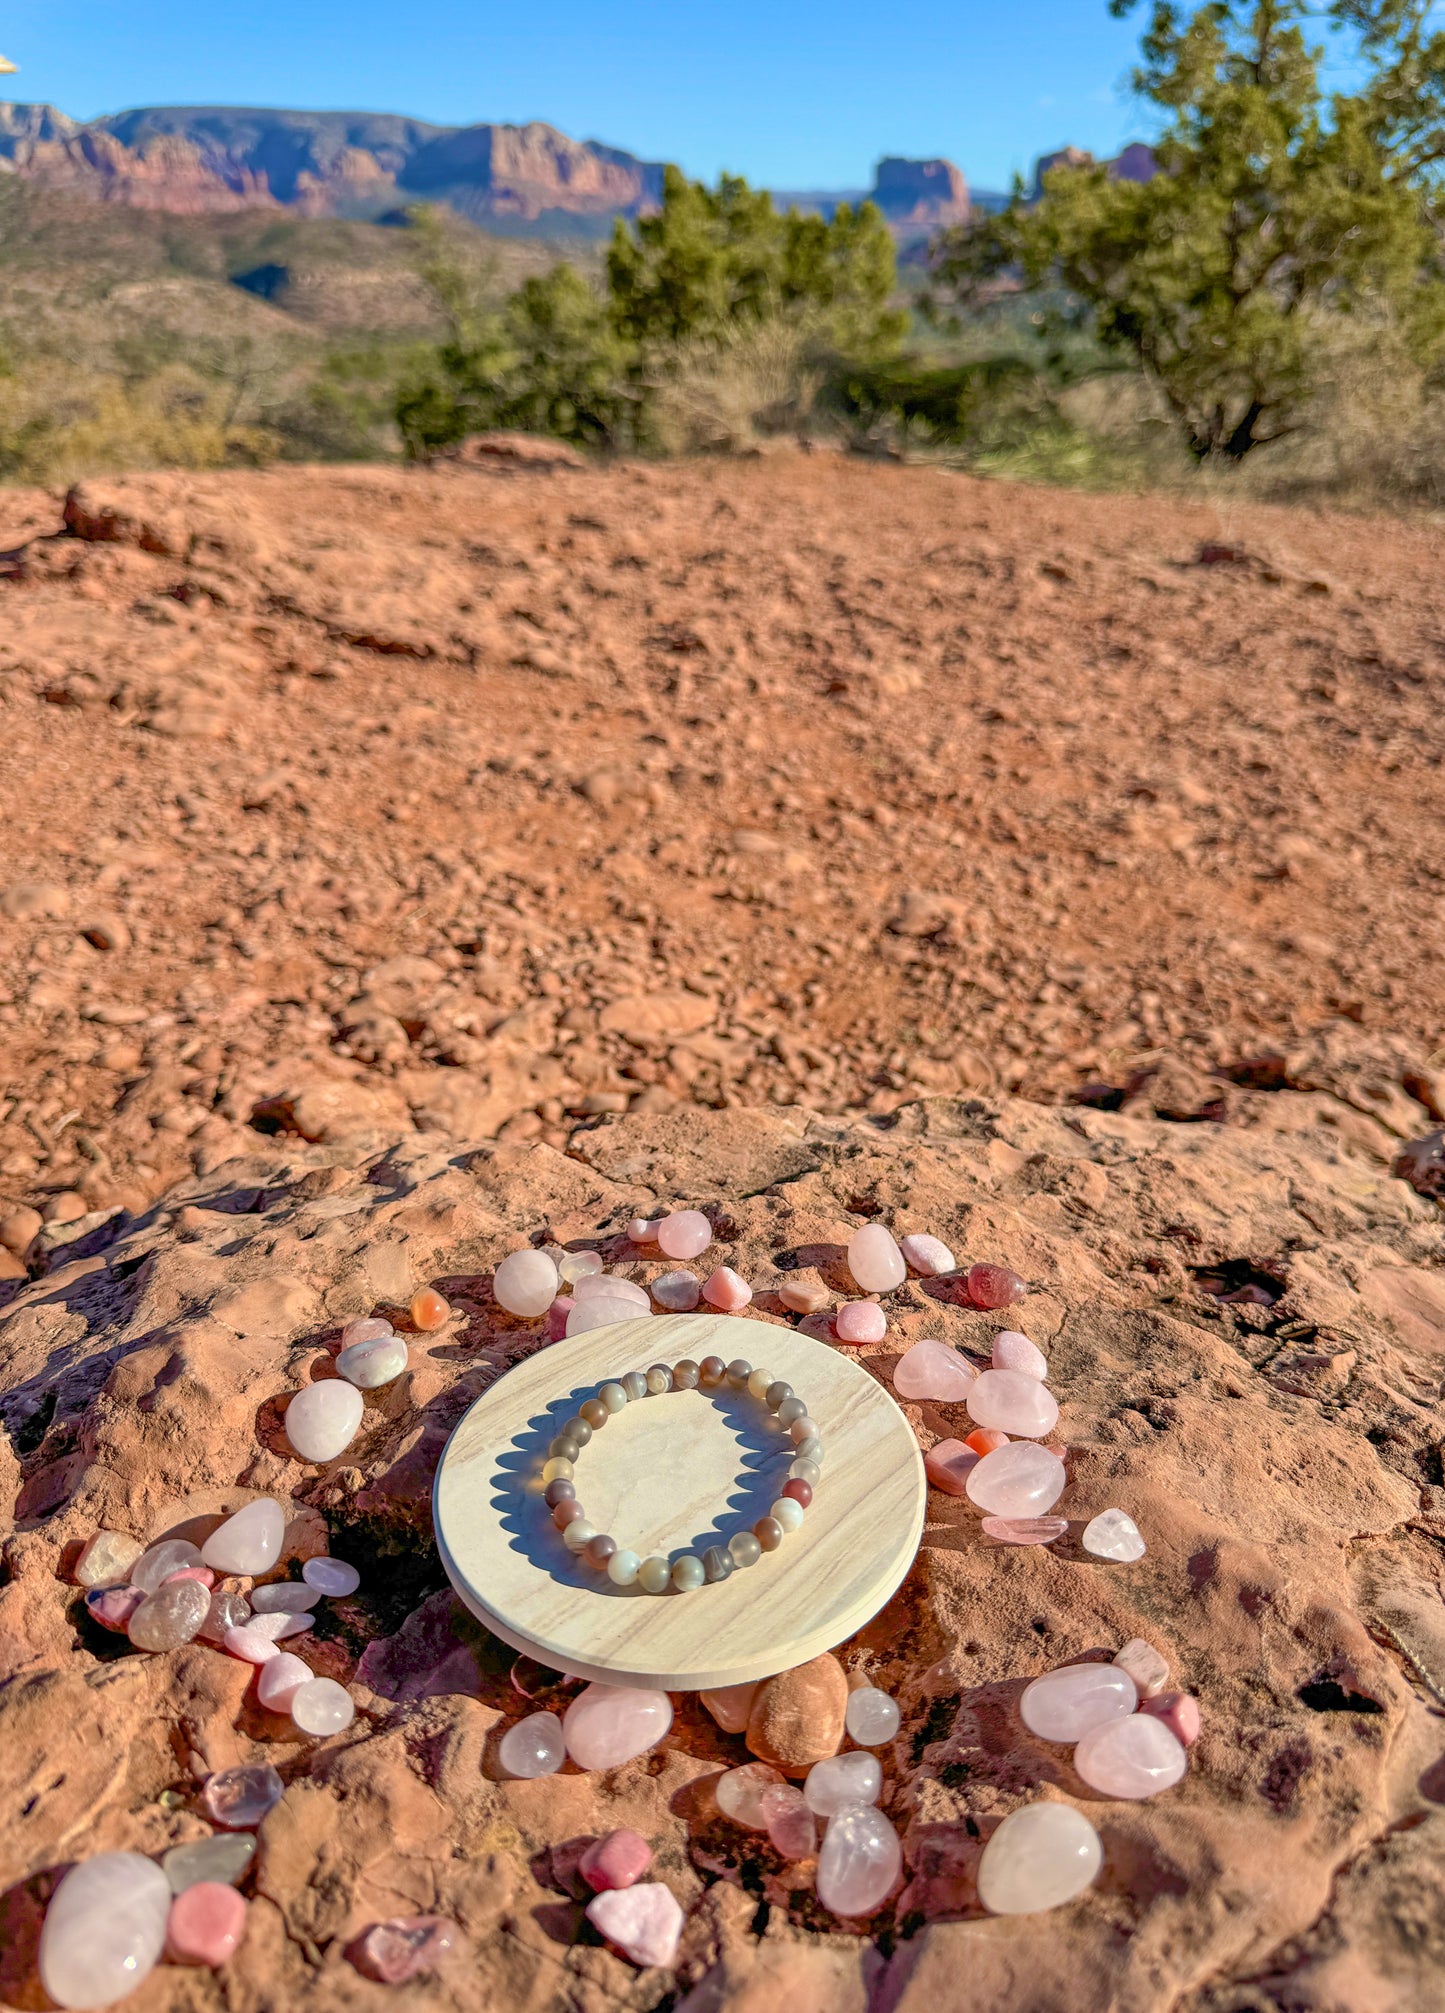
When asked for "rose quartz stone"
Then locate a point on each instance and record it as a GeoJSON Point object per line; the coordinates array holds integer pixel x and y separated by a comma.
{"type": "Point", "coordinates": [740, 1792]}
{"type": "Point", "coordinates": [858, 1321]}
{"type": "Point", "coordinates": [557, 1316]}
{"type": "Point", "coordinates": [678, 1292]}
{"type": "Point", "coordinates": [282, 1676]}
{"type": "Point", "coordinates": [1012, 1351]}
{"type": "Point", "coordinates": [1019, 1480]}
{"type": "Point", "coordinates": [792, 1828]}
{"type": "Point", "coordinates": [1011, 1402]}
{"type": "Point", "coordinates": [928, 1256]}
{"type": "Point", "coordinates": [933, 1370]}
{"type": "Point", "coordinates": [1065, 1704]}
{"type": "Point", "coordinates": [948, 1466]}
{"type": "Point", "coordinates": [874, 1259]}
{"type": "Point", "coordinates": [370, 1328]}
{"type": "Point", "coordinates": [994, 1286]}
{"type": "Point", "coordinates": [607, 1724]}
{"type": "Point", "coordinates": [727, 1290]}
{"type": "Point", "coordinates": [249, 1542]}
{"type": "Point", "coordinates": [205, 1924]}
{"type": "Point", "coordinates": [1131, 1758]}
{"type": "Point", "coordinates": [1024, 1530]}
{"type": "Point", "coordinates": [610, 1286]}
{"type": "Point", "coordinates": [604, 1310]}
{"type": "Point", "coordinates": [525, 1283]}
{"type": "Point", "coordinates": [202, 1575]}
{"type": "Point", "coordinates": [1040, 1857]}
{"type": "Point", "coordinates": [731, 1705]}
{"type": "Point", "coordinates": [686, 1233]}
{"type": "Point", "coordinates": [252, 1646]}
{"type": "Point", "coordinates": [393, 1951]}
{"type": "Point", "coordinates": [860, 1861]}
{"type": "Point", "coordinates": [644, 1229]}
{"type": "Point", "coordinates": [1179, 1710]}
{"type": "Point", "coordinates": [104, 1929]}
{"type": "Point", "coordinates": [618, 1860]}
{"type": "Point", "coordinates": [643, 1922]}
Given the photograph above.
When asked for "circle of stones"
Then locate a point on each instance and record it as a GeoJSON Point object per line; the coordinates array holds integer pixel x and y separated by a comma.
{"type": "Point", "coordinates": [656, 1574]}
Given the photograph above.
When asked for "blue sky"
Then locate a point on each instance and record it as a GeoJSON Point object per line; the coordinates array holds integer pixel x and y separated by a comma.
{"type": "Point", "coordinates": [794, 94]}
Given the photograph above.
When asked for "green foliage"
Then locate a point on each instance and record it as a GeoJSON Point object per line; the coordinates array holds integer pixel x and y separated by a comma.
{"type": "Point", "coordinates": [1273, 207]}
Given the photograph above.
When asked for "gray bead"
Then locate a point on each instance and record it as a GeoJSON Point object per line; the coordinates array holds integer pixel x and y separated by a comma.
{"type": "Point", "coordinates": [687, 1572]}
{"type": "Point", "coordinates": [717, 1563]}
{"type": "Point", "coordinates": [635, 1384]}
{"type": "Point", "coordinates": [776, 1393]}
{"type": "Point", "coordinates": [659, 1379]}
{"type": "Point", "coordinates": [789, 1410]}
{"type": "Point", "coordinates": [739, 1373]}
{"type": "Point", "coordinates": [744, 1548]}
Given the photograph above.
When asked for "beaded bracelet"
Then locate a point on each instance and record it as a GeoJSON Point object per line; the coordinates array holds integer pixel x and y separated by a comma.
{"type": "Point", "coordinates": [655, 1575]}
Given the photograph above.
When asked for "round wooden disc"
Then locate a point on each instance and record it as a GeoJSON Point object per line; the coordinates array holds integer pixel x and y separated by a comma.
{"type": "Point", "coordinates": [678, 1473]}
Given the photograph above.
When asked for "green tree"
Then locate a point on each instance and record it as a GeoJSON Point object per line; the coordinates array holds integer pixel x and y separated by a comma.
{"type": "Point", "coordinates": [1274, 207]}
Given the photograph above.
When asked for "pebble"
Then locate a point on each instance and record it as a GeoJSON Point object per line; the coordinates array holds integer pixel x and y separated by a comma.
{"type": "Point", "coordinates": [202, 1575]}
{"type": "Point", "coordinates": [169, 1617]}
{"type": "Point", "coordinates": [618, 1860]}
{"type": "Point", "coordinates": [686, 1233]}
{"type": "Point", "coordinates": [104, 1930]}
{"type": "Point", "coordinates": [1131, 1758]}
{"type": "Point", "coordinates": [984, 1439]}
{"type": "Point", "coordinates": [400, 1948]}
{"type": "Point", "coordinates": [321, 1707]}
{"type": "Point", "coordinates": [526, 1283]}
{"type": "Point", "coordinates": [643, 1922]}
{"type": "Point", "coordinates": [285, 1597]}
{"type": "Point", "coordinates": [250, 1644]}
{"type": "Point", "coordinates": [238, 1798]}
{"type": "Point", "coordinates": [1040, 1857]}
{"type": "Point", "coordinates": [607, 1724]}
{"type": "Point", "coordinates": [368, 1365]}
{"type": "Point", "coordinates": [928, 1256]}
{"type": "Point", "coordinates": [429, 1310]}
{"type": "Point", "coordinates": [727, 1290]}
{"type": "Point", "coordinates": [1113, 1534]}
{"type": "Point", "coordinates": [250, 1542]}
{"type": "Point", "coordinates": [730, 1705]}
{"type": "Point", "coordinates": [644, 1229]}
{"type": "Point", "coordinates": [113, 1607]}
{"type": "Point", "coordinates": [322, 1420]}
{"type": "Point", "coordinates": [858, 1321]}
{"type": "Point", "coordinates": [1013, 1402]}
{"type": "Point", "coordinates": [534, 1746]}
{"type": "Point", "coordinates": [740, 1791]}
{"type": "Point", "coordinates": [282, 1676]}
{"type": "Point", "coordinates": [333, 1577]}
{"type": "Point", "coordinates": [1025, 1530]}
{"type": "Point", "coordinates": [155, 1566]}
{"type": "Point", "coordinates": [994, 1286]}
{"type": "Point", "coordinates": [1179, 1711]}
{"type": "Point", "coordinates": [1145, 1665]}
{"type": "Point", "coordinates": [371, 1328]}
{"type": "Point", "coordinates": [1012, 1351]}
{"type": "Point", "coordinates": [872, 1717]}
{"type": "Point", "coordinates": [19, 1230]}
{"type": "Point", "coordinates": [860, 1862]}
{"type": "Point", "coordinates": [1063, 1705]}
{"type": "Point", "coordinates": [874, 1259]}
{"type": "Point", "coordinates": [932, 1370]}
{"type": "Point", "coordinates": [678, 1292]}
{"type": "Point", "coordinates": [107, 1559]}
{"type": "Point", "coordinates": [557, 1316]}
{"type": "Point", "coordinates": [205, 1924]}
{"type": "Point", "coordinates": [845, 1778]}
{"type": "Point", "coordinates": [804, 1296]}
{"type": "Point", "coordinates": [791, 1826]}
{"type": "Point", "coordinates": [611, 1286]}
{"type": "Point", "coordinates": [1019, 1480]}
{"type": "Point", "coordinates": [797, 1717]}
{"type": "Point", "coordinates": [948, 1466]}
{"type": "Point", "coordinates": [225, 1857]}
{"type": "Point", "coordinates": [603, 1310]}
{"type": "Point", "coordinates": [575, 1266]}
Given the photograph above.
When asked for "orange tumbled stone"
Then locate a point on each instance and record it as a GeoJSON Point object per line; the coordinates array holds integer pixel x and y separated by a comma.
{"type": "Point", "coordinates": [428, 1309]}
{"type": "Point", "coordinates": [984, 1439]}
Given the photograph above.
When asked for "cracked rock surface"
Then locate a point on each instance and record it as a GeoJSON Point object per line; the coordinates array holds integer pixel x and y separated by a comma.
{"type": "Point", "coordinates": [1245, 1325]}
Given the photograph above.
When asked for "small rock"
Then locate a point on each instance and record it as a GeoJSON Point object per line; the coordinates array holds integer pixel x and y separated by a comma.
{"type": "Point", "coordinates": [169, 1617]}
{"type": "Point", "coordinates": [860, 1321]}
{"type": "Point", "coordinates": [1019, 1480]}
{"type": "Point", "coordinates": [804, 1296]}
{"type": "Point", "coordinates": [281, 1677]}
{"type": "Point", "coordinates": [686, 1233]}
{"type": "Point", "coordinates": [1065, 1704]}
{"type": "Point", "coordinates": [107, 1559]}
{"type": "Point", "coordinates": [678, 1292]}
{"type": "Point", "coordinates": [727, 1290]}
{"type": "Point", "coordinates": [860, 1862]}
{"type": "Point", "coordinates": [205, 1924]}
{"type": "Point", "coordinates": [607, 1724]}
{"type": "Point", "coordinates": [875, 1260]}
{"type": "Point", "coordinates": [928, 1256]}
{"type": "Point", "coordinates": [872, 1718]}
{"type": "Point", "coordinates": [618, 1860]}
{"type": "Point", "coordinates": [1040, 1857]}
{"type": "Point", "coordinates": [107, 931]}
{"type": "Point", "coordinates": [739, 1793]}
{"type": "Point", "coordinates": [250, 1542]}
{"type": "Point", "coordinates": [948, 1465]}
{"type": "Point", "coordinates": [1145, 1665]}
{"type": "Point", "coordinates": [238, 1798]}
{"type": "Point", "coordinates": [104, 1930]}
{"type": "Point", "coordinates": [1024, 1530]}
{"type": "Point", "coordinates": [1179, 1710]}
{"type": "Point", "coordinates": [19, 1230]}
{"type": "Point", "coordinates": [370, 1364]}
{"type": "Point", "coordinates": [843, 1779]}
{"type": "Point", "coordinates": [429, 1311]}
{"type": "Point", "coordinates": [643, 1922]}
{"type": "Point", "coordinates": [791, 1826]}
{"type": "Point", "coordinates": [1113, 1535]}
{"type": "Point", "coordinates": [393, 1951]}
{"type": "Point", "coordinates": [333, 1577]}
{"type": "Point", "coordinates": [1013, 1402]}
{"type": "Point", "coordinates": [535, 1746]}
{"type": "Point", "coordinates": [797, 1718]}
{"type": "Point", "coordinates": [994, 1286]}
{"type": "Point", "coordinates": [932, 1370]}
{"type": "Point", "coordinates": [323, 1419]}
{"type": "Point", "coordinates": [525, 1283]}
{"type": "Point", "coordinates": [113, 1607]}
{"type": "Point", "coordinates": [285, 1597]}
{"type": "Point", "coordinates": [225, 1857]}
{"type": "Point", "coordinates": [321, 1707]}
{"type": "Point", "coordinates": [1131, 1758]}
{"type": "Point", "coordinates": [227, 1611]}
{"type": "Point", "coordinates": [731, 1705]}
{"type": "Point", "coordinates": [1012, 1351]}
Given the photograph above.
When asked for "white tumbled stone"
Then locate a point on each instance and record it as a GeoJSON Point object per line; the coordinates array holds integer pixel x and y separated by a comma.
{"type": "Point", "coordinates": [928, 1256]}
{"type": "Point", "coordinates": [322, 1706]}
{"type": "Point", "coordinates": [322, 1420]}
{"type": "Point", "coordinates": [104, 1929]}
{"type": "Point", "coordinates": [1065, 1704]}
{"type": "Point", "coordinates": [1131, 1758]}
{"type": "Point", "coordinates": [1113, 1534]}
{"type": "Point", "coordinates": [526, 1283]}
{"type": "Point", "coordinates": [250, 1542]}
{"type": "Point", "coordinates": [1040, 1857]}
{"type": "Point", "coordinates": [603, 1310]}
{"type": "Point", "coordinates": [282, 1676]}
{"type": "Point", "coordinates": [1019, 1480]}
{"type": "Point", "coordinates": [1013, 1402]}
{"type": "Point", "coordinates": [860, 1862]}
{"type": "Point", "coordinates": [843, 1779]}
{"type": "Point", "coordinates": [872, 1716]}
{"type": "Point", "coordinates": [611, 1286]}
{"type": "Point", "coordinates": [370, 1364]}
{"type": "Point", "coordinates": [1012, 1351]}
{"type": "Point", "coordinates": [284, 1597]}
{"type": "Point", "coordinates": [333, 1577]}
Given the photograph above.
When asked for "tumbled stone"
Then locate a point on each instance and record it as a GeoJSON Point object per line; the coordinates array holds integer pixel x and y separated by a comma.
{"type": "Point", "coordinates": [107, 1559]}
{"type": "Point", "coordinates": [791, 1826]}
{"type": "Point", "coordinates": [250, 1542]}
{"type": "Point", "coordinates": [678, 1292]}
{"type": "Point", "coordinates": [984, 1440]}
{"type": "Point", "coordinates": [369, 1365]}
{"type": "Point", "coordinates": [1012, 1351]}
{"type": "Point", "coordinates": [739, 1793]}
{"type": "Point", "coordinates": [1010, 1401]}
{"type": "Point", "coordinates": [534, 1746]}
{"type": "Point", "coordinates": [618, 1860]}
{"type": "Point", "coordinates": [843, 1779]}
{"type": "Point", "coordinates": [225, 1857]}
{"type": "Point", "coordinates": [686, 1233]}
{"type": "Point", "coordinates": [730, 1705]}
{"type": "Point", "coordinates": [643, 1229]}
{"type": "Point", "coordinates": [1113, 1534]}
{"type": "Point", "coordinates": [804, 1296]}
{"type": "Point", "coordinates": [1179, 1711]}
{"type": "Point", "coordinates": [170, 1616]}
{"type": "Point", "coordinates": [429, 1311]}
{"type": "Point", "coordinates": [797, 1717]}
{"type": "Point", "coordinates": [1131, 1758]}
{"type": "Point", "coordinates": [113, 1607]}
{"type": "Point", "coordinates": [371, 1328]}
{"type": "Point", "coordinates": [872, 1717]}
{"type": "Point", "coordinates": [335, 1578]}
{"type": "Point", "coordinates": [281, 1624]}
{"type": "Point", "coordinates": [860, 1863]}
{"type": "Point", "coordinates": [202, 1575]}
{"type": "Point", "coordinates": [607, 1724]}
{"type": "Point", "coordinates": [526, 1283]}
{"type": "Point", "coordinates": [860, 1321]}
{"type": "Point", "coordinates": [948, 1465]}
{"type": "Point", "coordinates": [285, 1597]}
{"type": "Point", "coordinates": [322, 1420]}
{"type": "Point", "coordinates": [603, 1310]}
{"type": "Point", "coordinates": [1040, 1857]}
{"type": "Point", "coordinates": [928, 1256]}
{"type": "Point", "coordinates": [994, 1286]}
{"type": "Point", "coordinates": [321, 1706]}
{"type": "Point", "coordinates": [1019, 1480]}
{"type": "Point", "coordinates": [281, 1677]}
{"type": "Point", "coordinates": [643, 1922]}
{"type": "Point", "coordinates": [238, 1798]}
{"type": "Point", "coordinates": [611, 1286]}
{"type": "Point", "coordinates": [104, 1930]}
{"type": "Point", "coordinates": [403, 1947]}
{"type": "Point", "coordinates": [250, 1644]}
{"type": "Point", "coordinates": [727, 1290]}
{"type": "Point", "coordinates": [205, 1924]}
{"type": "Point", "coordinates": [874, 1259]}
{"type": "Point", "coordinates": [575, 1266]}
{"type": "Point", "coordinates": [1149, 1670]}
{"type": "Point", "coordinates": [1064, 1704]}
{"type": "Point", "coordinates": [154, 1567]}
{"type": "Point", "coordinates": [932, 1370]}
{"type": "Point", "coordinates": [1025, 1530]}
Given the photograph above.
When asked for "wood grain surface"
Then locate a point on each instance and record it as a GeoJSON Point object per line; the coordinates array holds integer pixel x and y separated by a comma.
{"type": "Point", "coordinates": [671, 1474]}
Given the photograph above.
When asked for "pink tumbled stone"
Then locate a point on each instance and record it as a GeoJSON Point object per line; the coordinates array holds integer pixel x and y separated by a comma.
{"type": "Point", "coordinates": [604, 1310]}
{"type": "Point", "coordinates": [618, 1860]}
{"type": "Point", "coordinates": [874, 1259]}
{"type": "Point", "coordinates": [205, 1924]}
{"type": "Point", "coordinates": [928, 1256]}
{"type": "Point", "coordinates": [643, 1922]}
{"type": "Point", "coordinates": [933, 1370]}
{"type": "Point", "coordinates": [685, 1234]}
{"type": "Point", "coordinates": [791, 1824]}
{"type": "Point", "coordinates": [610, 1286]}
{"type": "Point", "coordinates": [557, 1316]}
{"type": "Point", "coordinates": [727, 1290]}
{"type": "Point", "coordinates": [1014, 1403]}
{"type": "Point", "coordinates": [370, 1328]}
{"type": "Point", "coordinates": [994, 1286]}
{"type": "Point", "coordinates": [238, 1798]}
{"type": "Point", "coordinates": [1025, 1530]}
{"type": "Point", "coordinates": [948, 1465]}
{"type": "Point", "coordinates": [607, 1724]}
{"type": "Point", "coordinates": [203, 1574]}
{"type": "Point", "coordinates": [1018, 1480]}
{"type": "Point", "coordinates": [861, 1861]}
{"type": "Point", "coordinates": [393, 1951]}
{"type": "Point", "coordinates": [678, 1292]}
{"type": "Point", "coordinates": [644, 1229]}
{"type": "Point", "coordinates": [282, 1676]}
{"type": "Point", "coordinates": [113, 1607]}
{"type": "Point", "coordinates": [252, 1646]}
{"type": "Point", "coordinates": [860, 1321]}
{"type": "Point", "coordinates": [1131, 1758]}
{"type": "Point", "coordinates": [1179, 1710]}
{"type": "Point", "coordinates": [1012, 1351]}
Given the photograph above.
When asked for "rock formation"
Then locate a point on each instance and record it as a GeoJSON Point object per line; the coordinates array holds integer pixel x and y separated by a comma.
{"type": "Point", "coordinates": [920, 192]}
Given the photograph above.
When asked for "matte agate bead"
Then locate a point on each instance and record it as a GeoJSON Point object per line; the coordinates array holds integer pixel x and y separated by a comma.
{"type": "Point", "coordinates": [686, 1375]}
{"type": "Point", "coordinates": [559, 1491]}
{"type": "Point", "coordinates": [711, 1372]}
{"type": "Point", "coordinates": [635, 1385]}
{"type": "Point", "coordinates": [769, 1533]}
{"type": "Point", "coordinates": [600, 1551]}
{"type": "Point", "coordinates": [739, 1373]}
{"type": "Point", "coordinates": [659, 1380]}
{"type": "Point", "coordinates": [623, 1568]}
{"type": "Point", "coordinates": [717, 1564]}
{"type": "Point", "coordinates": [578, 1534]}
{"type": "Point", "coordinates": [654, 1575]}
{"type": "Point", "coordinates": [688, 1572]}
{"type": "Point", "coordinates": [805, 1471]}
{"type": "Point", "coordinates": [1019, 1480]}
{"type": "Point", "coordinates": [566, 1512]}
{"type": "Point", "coordinates": [1011, 1401]}
{"type": "Point", "coordinates": [613, 1396]}
{"type": "Point", "coordinates": [1131, 1758]}
{"type": "Point", "coordinates": [874, 1259]}
{"type": "Point", "coordinates": [777, 1395]}
{"type": "Point", "coordinates": [809, 1450]}
{"type": "Point", "coordinates": [787, 1512]}
{"type": "Point", "coordinates": [594, 1413]}
{"type": "Point", "coordinates": [759, 1384]}
{"type": "Point", "coordinates": [800, 1491]}
{"type": "Point", "coordinates": [790, 1409]}
{"type": "Point", "coordinates": [576, 1428]}
{"type": "Point", "coordinates": [1065, 1704]}
{"type": "Point", "coordinates": [745, 1548]}
{"type": "Point", "coordinates": [1040, 1857]}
